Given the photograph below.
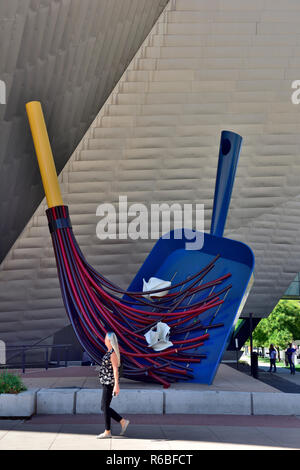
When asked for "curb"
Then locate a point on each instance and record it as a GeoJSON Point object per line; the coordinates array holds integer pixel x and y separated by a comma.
{"type": "Point", "coordinates": [286, 404]}
{"type": "Point", "coordinates": [208, 402]}
{"type": "Point", "coordinates": [56, 401]}
{"type": "Point", "coordinates": [159, 402]}
{"type": "Point", "coordinates": [131, 401]}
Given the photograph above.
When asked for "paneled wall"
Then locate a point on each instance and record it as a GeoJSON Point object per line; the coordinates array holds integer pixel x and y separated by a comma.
{"type": "Point", "coordinates": [207, 65]}
{"type": "Point", "coordinates": [69, 54]}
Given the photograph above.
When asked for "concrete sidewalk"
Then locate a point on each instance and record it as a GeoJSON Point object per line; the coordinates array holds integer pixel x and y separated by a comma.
{"type": "Point", "coordinates": [282, 380]}
{"type": "Point", "coordinates": [175, 432]}
{"type": "Point", "coordinates": [282, 372]}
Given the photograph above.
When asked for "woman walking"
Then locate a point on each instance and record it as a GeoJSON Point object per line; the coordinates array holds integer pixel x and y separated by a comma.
{"type": "Point", "coordinates": [109, 378]}
{"type": "Point", "coordinates": [272, 354]}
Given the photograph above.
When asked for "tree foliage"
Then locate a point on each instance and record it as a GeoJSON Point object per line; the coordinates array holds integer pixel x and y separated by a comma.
{"type": "Point", "coordinates": [281, 327]}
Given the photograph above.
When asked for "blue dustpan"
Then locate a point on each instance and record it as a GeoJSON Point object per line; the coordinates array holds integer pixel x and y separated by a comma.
{"type": "Point", "coordinates": [170, 260]}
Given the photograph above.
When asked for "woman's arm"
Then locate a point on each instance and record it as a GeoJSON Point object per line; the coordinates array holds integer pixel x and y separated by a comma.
{"type": "Point", "coordinates": [114, 361]}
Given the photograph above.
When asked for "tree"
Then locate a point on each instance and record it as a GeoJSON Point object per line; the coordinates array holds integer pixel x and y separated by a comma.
{"type": "Point", "coordinates": [280, 328]}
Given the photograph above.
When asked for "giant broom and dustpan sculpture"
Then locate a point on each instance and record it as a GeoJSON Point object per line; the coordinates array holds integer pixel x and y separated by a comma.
{"type": "Point", "coordinates": [198, 309]}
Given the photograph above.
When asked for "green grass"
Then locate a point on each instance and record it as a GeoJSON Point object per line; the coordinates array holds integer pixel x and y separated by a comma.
{"type": "Point", "coordinates": [10, 383]}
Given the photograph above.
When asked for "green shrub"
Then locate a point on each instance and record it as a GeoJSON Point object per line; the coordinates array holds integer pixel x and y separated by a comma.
{"type": "Point", "coordinates": [10, 383]}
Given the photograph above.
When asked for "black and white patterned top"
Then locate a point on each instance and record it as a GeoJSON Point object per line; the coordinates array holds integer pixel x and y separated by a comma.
{"type": "Point", "coordinates": [106, 373]}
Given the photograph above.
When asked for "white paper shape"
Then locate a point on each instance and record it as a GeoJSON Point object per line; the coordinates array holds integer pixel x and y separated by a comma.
{"type": "Point", "coordinates": [153, 284]}
{"type": "Point", "coordinates": [158, 337]}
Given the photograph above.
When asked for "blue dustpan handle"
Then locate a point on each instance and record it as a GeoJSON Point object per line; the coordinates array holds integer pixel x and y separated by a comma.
{"type": "Point", "coordinates": [230, 149]}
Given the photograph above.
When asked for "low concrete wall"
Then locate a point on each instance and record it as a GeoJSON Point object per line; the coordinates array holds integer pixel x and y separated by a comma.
{"type": "Point", "coordinates": [56, 401]}
{"type": "Point", "coordinates": [88, 401]}
{"type": "Point", "coordinates": [280, 404]}
{"type": "Point", "coordinates": [21, 405]}
{"type": "Point", "coordinates": [134, 401]}
{"type": "Point", "coordinates": [207, 402]}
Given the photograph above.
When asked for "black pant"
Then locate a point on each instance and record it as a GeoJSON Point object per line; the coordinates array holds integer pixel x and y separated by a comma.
{"type": "Point", "coordinates": [272, 363]}
{"type": "Point", "coordinates": [292, 365]}
{"type": "Point", "coordinates": [105, 406]}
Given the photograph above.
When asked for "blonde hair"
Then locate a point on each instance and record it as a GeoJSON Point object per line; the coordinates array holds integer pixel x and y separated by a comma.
{"type": "Point", "coordinates": [115, 345]}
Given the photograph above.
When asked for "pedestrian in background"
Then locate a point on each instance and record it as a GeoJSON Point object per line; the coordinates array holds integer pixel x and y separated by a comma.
{"type": "Point", "coordinates": [290, 352]}
{"type": "Point", "coordinates": [272, 355]}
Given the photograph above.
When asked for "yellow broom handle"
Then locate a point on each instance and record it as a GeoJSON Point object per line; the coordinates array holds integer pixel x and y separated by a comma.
{"type": "Point", "coordinates": [44, 154]}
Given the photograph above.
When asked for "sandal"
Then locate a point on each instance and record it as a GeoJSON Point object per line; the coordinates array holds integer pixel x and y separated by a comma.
{"type": "Point", "coordinates": [104, 436]}
{"type": "Point", "coordinates": [124, 427]}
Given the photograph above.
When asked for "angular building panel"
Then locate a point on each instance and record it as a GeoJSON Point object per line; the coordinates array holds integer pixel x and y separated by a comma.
{"type": "Point", "coordinates": [69, 54]}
